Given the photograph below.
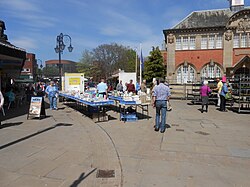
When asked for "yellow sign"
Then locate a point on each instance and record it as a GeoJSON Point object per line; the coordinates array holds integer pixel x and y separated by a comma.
{"type": "Point", "coordinates": [74, 81]}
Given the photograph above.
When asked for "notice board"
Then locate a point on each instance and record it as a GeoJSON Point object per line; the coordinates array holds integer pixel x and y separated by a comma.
{"type": "Point", "coordinates": [36, 107]}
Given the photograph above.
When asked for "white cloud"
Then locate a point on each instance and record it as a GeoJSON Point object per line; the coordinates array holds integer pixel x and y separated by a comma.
{"type": "Point", "coordinates": [25, 42]}
{"type": "Point", "coordinates": [28, 12]}
{"type": "Point", "coordinates": [19, 5]}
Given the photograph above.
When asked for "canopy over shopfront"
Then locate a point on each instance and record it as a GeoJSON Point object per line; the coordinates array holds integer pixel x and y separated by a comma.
{"type": "Point", "coordinates": [12, 58]}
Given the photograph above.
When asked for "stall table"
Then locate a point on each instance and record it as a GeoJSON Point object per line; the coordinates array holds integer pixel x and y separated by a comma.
{"type": "Point", "coordinates": [98, 105]}
{"type": "Point", "coordinates": [125, 104]}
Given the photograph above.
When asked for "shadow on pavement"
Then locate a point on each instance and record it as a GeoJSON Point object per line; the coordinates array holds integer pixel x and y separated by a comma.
{"type": "Point", "coordinates": [81, 178]}
{"type": "Point", "coordinates": [17, 111]}
{"type": "Point", "coordinates": [5, 125]}
{"type": "Point", "coordinates": [35, 134]}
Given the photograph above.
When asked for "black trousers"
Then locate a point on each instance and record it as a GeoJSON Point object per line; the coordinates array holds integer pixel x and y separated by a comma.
{"type": "Point", "coordinates": [222, 103]}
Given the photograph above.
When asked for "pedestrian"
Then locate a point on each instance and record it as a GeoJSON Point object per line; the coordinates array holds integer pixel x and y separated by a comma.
{"type": "Point", "coordinates": [119, 86]}
{"type": "Point", "coordinates": [161, 95]}
{"type": "Point", "coordinates": [218, 89]}
{"type": "Point", "coordinates": [102, 89]}
{"type": "Point", "coordinates": [204, 92]}
{"type": "Point", "coordinates": [223, 93]}
{"type": "Point", "coordinates": [131, 86]}
{"type": "Point", "coordinates": [52, 92]}
{"type": "Point", "coordinates": [144, 86]}
{"type": "Point", "coordinates": [1, 103]}
{"type": "Point", "coordinates": [29, 92]}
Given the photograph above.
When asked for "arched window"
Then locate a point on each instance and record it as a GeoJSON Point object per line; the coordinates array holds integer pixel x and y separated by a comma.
{"type": "Point", "coordinates": [211, 71]}
{"type": "Point", "coordinates": [185, 74]}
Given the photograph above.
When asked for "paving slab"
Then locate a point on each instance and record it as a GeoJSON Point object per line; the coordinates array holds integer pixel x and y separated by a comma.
{"type": "Point", "coordinates": [67, 148]}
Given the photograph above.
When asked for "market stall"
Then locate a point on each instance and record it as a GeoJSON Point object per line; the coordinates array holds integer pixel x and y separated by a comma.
{"type": "Point", "coordinates": [91, 104]}
{"type": "Point", "coordinates": [129, 104]}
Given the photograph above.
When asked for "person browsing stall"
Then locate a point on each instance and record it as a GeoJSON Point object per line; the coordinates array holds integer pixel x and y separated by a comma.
{"type": "Point", "coordinates": [131, 86]}
{"type": "Point", "coordinates": [1, 103]}
{"type": "Point", "coordinates": [223, 93]}
{"type": "Point", "coordinates": [102, 89]}
{"type": "Point", "coordinates": [218, 89]}
{"type": "Point", "coordinates": [204, 91]}
{"type": "Point", "coordinates": [119, 86]}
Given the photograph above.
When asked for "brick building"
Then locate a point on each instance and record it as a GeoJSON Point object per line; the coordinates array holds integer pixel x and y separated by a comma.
{"type": "Point", "coordinates": [67, 66]}
{"type": "Point", "coordinates": [209, 44]}
{"type": "Point", "coordinates": [29, 70]}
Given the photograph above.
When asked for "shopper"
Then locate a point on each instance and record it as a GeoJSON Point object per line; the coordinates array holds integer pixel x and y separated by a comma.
{"type": "Point", "coordinates": [1, 103]}
{"type": "Point", "coordinates": [131, 86]}
{"type": "Point", "coordinates": [52, 92]}
{"type": "Point", "coordinates": [223, 93]}
{"type": "Point", "coordinates": [161, 95]}
{"type": "Point", "coordinates": [102, 89]}
{"type": "Point", "coordinates": [218, 89]}
{"type": "Point", "coordinates": [119, 86]}
{"type": "Point", "coordinates": [29, 92]}
{"type": "Point", "coordinates": [144, 86]}
{"type": "Point", "coordinates": [204, 92]}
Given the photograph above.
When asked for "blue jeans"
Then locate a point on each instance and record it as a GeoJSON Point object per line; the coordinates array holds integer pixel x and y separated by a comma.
{"type": "Point", "coordinates": [161, 112]}
{"type": "Point", "coordinates": [53, 102]}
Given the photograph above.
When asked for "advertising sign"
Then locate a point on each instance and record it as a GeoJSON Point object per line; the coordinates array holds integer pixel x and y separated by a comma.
{"type": "Point", "coordinates": [35, 106]}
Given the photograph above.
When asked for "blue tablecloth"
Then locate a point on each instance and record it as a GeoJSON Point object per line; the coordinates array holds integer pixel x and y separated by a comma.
{"type": "Point", "coordinates": [122, 101]}
{"type": "Point", "coordinates": [93, 103]}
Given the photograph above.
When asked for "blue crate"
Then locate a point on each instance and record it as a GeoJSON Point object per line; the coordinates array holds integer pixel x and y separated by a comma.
{"type": "Point", "coordinates": [129, 117]}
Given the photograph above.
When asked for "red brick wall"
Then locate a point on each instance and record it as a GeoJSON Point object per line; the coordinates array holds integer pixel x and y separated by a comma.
{"type": "Point", "coordinates": [29, 64]}
{"type": "Point", "coordinates": [238, 54]}
{"type": "Point", "coordinates": [198, 58]}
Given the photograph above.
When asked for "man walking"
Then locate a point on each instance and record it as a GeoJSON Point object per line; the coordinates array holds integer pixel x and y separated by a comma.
{"type": "Point", "coordinates": [161, 95]}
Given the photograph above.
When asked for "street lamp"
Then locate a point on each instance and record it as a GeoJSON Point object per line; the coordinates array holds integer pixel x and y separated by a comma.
{"type": "Point", "coordinates": [41, 67]}
{"type": "Point", "coordinates": [60, 46]}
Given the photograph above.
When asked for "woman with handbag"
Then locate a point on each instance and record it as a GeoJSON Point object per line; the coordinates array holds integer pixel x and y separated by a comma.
{"type": "Point", "coordinates": [204, 91]}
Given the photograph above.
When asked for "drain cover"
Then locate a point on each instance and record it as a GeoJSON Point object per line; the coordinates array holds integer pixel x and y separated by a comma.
{"type": "Point", "coordinates": [202, 133]}
{"type": "Point", "coordinates": [105, 173]}
{"type": "Point", "coordinates": [182, 130]}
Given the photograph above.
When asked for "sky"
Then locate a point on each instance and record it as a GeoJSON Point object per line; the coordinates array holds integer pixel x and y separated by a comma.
{"type": "Point", "coordinates": [34, 24]}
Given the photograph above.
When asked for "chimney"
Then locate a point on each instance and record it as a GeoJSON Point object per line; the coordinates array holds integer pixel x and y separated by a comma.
{"type": "Point", "coordinates": [236, 5]}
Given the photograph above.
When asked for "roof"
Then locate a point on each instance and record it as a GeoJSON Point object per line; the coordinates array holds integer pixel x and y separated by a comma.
{"type": "Point", "coordinates": [57, 61]}
{"type": "Point", "coordinates": [205, 19]}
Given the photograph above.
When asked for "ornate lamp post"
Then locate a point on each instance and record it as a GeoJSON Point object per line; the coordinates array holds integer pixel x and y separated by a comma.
{"type": "Point", "coordinates": [60, 46]}
{"type": "Point", "coordinates": [41, 67]}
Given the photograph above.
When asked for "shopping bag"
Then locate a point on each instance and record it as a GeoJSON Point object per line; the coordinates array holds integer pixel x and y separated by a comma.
{"type": "Point", "coordinates": [228, 96]}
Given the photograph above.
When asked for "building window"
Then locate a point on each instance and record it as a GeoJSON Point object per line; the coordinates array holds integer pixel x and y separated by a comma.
{"type": "Point", "coordinates": [211, 71]}
{"type": "Point", "coordinates": [185, 74]}
{"type": "Point", "coordinates": [204, 42]}
{"type": "Point", "coordinates": [178, 43]}
{"type": "Point", "coordinates": [211, 42]}
{"type": "Point", "coordinates": [236, 41]}
{"type": "Point", "coordinates": [243, 40]}
{"type": "Point", "coordinates": [192, 43]}
{"type": "Point", "coordinates": [219, 42]}
{"type": "Point", "coordinates": [185, 43]}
